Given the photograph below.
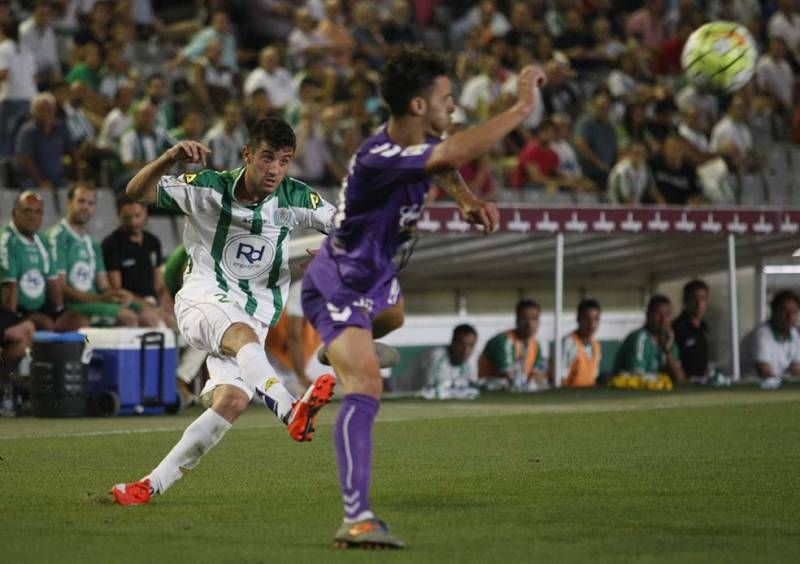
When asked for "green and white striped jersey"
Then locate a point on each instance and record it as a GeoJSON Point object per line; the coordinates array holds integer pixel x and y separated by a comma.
{"type": "Point", "coordinates": [242, 251]}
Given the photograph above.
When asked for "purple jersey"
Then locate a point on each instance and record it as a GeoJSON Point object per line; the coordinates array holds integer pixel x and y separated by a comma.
{"type": "Point", "coordinates": [379, 205]}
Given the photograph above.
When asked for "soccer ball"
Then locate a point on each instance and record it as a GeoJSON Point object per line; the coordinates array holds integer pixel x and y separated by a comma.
{"type": "Point", "coordinates": [719, 56]}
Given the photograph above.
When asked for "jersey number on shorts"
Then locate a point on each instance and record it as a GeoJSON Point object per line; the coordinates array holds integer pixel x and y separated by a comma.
{"type": "Point", "coordinates": [221, 298]}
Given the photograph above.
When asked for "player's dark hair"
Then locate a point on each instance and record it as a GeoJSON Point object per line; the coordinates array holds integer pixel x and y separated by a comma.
{"type": "Point", "coordinates": [75, 186]}
{"type": "Point", "coordinates": [124, 200]}
{"type": "Point", "coordinates": [527, 303]}
{"type": "Point", "coordinates": [657, 300]}
{"type": "Point", "coordinates": [586, 305]}
{"type": "Point", "coordinates": [691, 287]}
{"type": "Point", "coordinates": [781, 298]}
{"type": "Point", "coordinates": [408, 74]}
{"type": "Point", "coordinates": [463, 329]}
{"type": "Point", "coordinates": [274, 132]}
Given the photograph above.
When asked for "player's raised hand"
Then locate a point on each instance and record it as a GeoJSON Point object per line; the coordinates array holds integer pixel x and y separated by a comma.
{"type": "Point", "coordinates": [485, 214]}
{"type": "Point", "coordinates": [530, 79]}
{"type": "Point", "coordinates": [189, 152]}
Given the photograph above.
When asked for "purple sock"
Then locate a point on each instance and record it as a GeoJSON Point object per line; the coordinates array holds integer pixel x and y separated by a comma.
{"type": "Point", "coordinates": [352, 436]}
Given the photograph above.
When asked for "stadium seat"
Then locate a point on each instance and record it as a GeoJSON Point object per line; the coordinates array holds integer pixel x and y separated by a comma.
{"type": "Point", "coordinates": [164, 228]}
{"type": "Point", "coordinates": [7, 197]}
{"type": "Point", "coordinates": [751, 190]}
{"type": "Point", "coordinates": [105, 215]}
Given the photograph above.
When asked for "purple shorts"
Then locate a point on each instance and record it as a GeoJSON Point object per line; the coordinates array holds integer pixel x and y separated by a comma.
{"type": "Point", "coordinates": [332, 306]}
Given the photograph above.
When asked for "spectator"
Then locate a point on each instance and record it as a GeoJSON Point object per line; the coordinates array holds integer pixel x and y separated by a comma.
{"type": "Point", "coordinates": [647, 25]}
{"type": "Point", "coordinates": [772, 349]}
{"type": "Point", "coordinates": [568, 164]}
{"type": "Point", "coordinates": [580, 351]}
{"type": "Point", "coordinates": [696, 140]}
{"type": "Point", "coordinates": [134, 262]}
{"type": "Point", "coordinates": [119, 119]}
{"type": "Point", "coordinates": [661, 125]}
{"type": "Point", "coordinates": [192, 127]}
{"type": "Point", "coordinates": [605, 48]}
{"type": "Point", "coordinates": [652, 349]}
{"type": "Point", "coordinates": [304, 40]}
{"type": "Point", "coordinates": [42, 143]}
{"type": "Point", "coordinates": [667, 61]}
{"type": "Point", "coordinates": [17, 85]}
{"type": "Point", "coordinates": [80, 264]}
{"type": "Point", "coordinates": [731, 136]}
{"type": "Point", "coordinates": [513, 359]}
{"type": "Point", "coordinates": [538, 164]}
{"type": "Point", "coordinates": [219, 29]}
{"type": "Point", "coordinates": [87, 69]}
{"type": "Point", "coordinates": [28, 276]}
{"type": "Point", "coordinates": [631, 179]}
{"type": "Point", "coordinates": [116, 73]}
{"type": "Point", "coordinates": [226, 139]}
{"type": "Point", "coordinates": [340, 41]}
{"type": "Point", "coordinates": [38, 36]}
{"type": "Point", "coordinates": [156, 94]}
{"type": "Point", "coordinates": [477, 174]}
{"type": "Point", "coordinates": [313, 162]}
{"type": "Point", "coordinates": [212, 82]}
{"type": "Point", "coordinates": [706, 103]}
{"type": "Point", "coordinates": [785, 24]}
{"type": "Point", "coordinates": [271, 77]}
{"type": "Point", "coordinates": [691, 330]}
{"type": "Point", "coordinates": [482, 90]}
{"type": "Point", "coordinates": [774, 75]}
{"type": "Point", "coordinates": [575, 41]}
{"type": "Point", "coordinates": [484, 18]}
{"type": "Point", "coordinates": [675, 179]}
{"type": "Point", "coordinates": [632, 125]}
{"type": "Point", "coordinates": [446, 370]}
{"type": "Point", "coordinates": [398, 30]}
{"type": "Point", "coordinates": [366, 34]}
{"type": "Point", "coordinates": [98, 25]}
{"type": "Point", "coordinates": [143, 143]}
{"type": "Point", "coordinates": [596, 140]}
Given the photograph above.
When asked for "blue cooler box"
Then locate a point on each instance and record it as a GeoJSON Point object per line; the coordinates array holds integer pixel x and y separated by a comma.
{"type": "Point", "coordinates": [132, 370]}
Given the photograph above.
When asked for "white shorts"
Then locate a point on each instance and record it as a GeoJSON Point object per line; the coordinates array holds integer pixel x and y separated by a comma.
{"type": "Point", "coordinates": [203, 322]}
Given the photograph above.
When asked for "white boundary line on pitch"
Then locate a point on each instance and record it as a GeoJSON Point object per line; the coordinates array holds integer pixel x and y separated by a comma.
{"type": "Point", "coordinates": [419, 412]}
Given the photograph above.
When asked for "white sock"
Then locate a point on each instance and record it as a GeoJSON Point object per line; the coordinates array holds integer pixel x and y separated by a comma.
{"type": "Point", "coordinates": [256, 371]}
{"type": "Point", "coordinates": [197, 439]}
{"type": "Point", "coordinates": [363, 516]}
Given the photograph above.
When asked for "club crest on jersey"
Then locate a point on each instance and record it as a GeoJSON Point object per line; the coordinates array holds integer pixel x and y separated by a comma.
{"type": "Point", "coordinates": [81, 276]}
{"type": "Point", "coordinates": [282, 217]}
{"type": "Point", "coordinates": [248, 256]}
{"type": "Point", "coordinates": [32, 283]}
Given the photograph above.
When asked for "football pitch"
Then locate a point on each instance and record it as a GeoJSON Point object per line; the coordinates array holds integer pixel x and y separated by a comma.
{"type": "Point", "coordinates": [567, 476]}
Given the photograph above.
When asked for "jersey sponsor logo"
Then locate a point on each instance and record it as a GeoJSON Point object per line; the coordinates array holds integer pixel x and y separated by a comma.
{"type": "Point", "coordinates": [283, 217]}
{"type": "Point", "coordinates": [81, 275]}
{"type": "Point", "coordinates": [248, 256]}
{"type": "Point", "coordinates": [32, 283]}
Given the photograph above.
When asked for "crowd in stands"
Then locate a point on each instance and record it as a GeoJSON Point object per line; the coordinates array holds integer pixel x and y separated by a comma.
{"type": "Point", "coordinates": [92, 89]}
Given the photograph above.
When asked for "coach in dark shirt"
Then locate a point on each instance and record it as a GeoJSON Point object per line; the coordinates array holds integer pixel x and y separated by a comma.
{"type": "Point", "coordinates": [134, 262]}
{"type": "Point", "coordinates": [675, 179]}
{"type": "Point", "coordinates": [691, 331]}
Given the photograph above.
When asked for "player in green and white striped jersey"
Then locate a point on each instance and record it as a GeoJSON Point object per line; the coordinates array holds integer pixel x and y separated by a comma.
{"type": "Point", "coordinates": [236, 283]}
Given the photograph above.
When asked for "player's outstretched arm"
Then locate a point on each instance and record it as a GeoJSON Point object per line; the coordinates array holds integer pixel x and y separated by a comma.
{"type": "Point", "coordinates": [143, 186]}
{"type": "Point", "coordinates": [456, 151]}
{"type": "Point", "coordinates": [472, 208]}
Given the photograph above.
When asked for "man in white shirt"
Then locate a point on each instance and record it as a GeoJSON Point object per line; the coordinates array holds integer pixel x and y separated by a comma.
{"type": "Point", "coordinates": [226, 139]}
{"type": "Point", "coordinates": [731, 136]}
{"type": "Point", "coordinates": [37, 34]}
{"type": "Point", "coordinates": [481, 90]}
{"type": "Point", "coordinates": [304, 39]}
{"type": "Point", "coordinates": [447, 372]}
{"type": "Point", "coordinates": [17, 85]}
{"type": "Point", "coordinates": [272, 78]}
{"type": "Point", "coordinates": [706, 103]}
{"type": "Point", "coordinates": [785, 23]}
{"type": "Point", "coordinates": [774, 75]}
{"type": "Point", "coordinates": [772, 350]}
{"type": "Point", "coordinates": [119, 119]}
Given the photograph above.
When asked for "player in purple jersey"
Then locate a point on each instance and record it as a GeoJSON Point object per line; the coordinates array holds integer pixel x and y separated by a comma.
{"type": "Point", "coordinates": [350, 290]}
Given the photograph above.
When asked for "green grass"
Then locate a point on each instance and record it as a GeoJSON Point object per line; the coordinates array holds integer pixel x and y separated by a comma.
{"type": "Point", "coordinates": [570, 476]}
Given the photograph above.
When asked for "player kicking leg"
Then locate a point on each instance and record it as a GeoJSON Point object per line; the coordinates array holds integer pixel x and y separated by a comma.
{"type": "Point", "coordinates": [237, 279]}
